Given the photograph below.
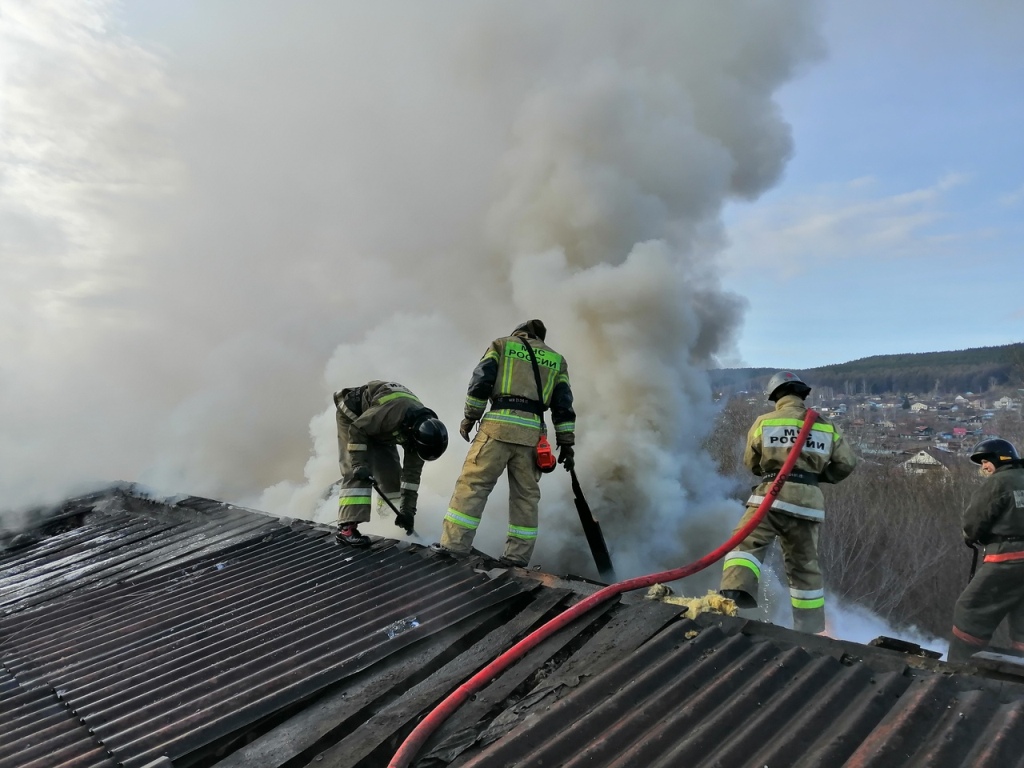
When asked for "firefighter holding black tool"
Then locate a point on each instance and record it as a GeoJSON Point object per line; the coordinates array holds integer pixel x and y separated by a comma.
{"type": "Point", "coordinates": [373, 420]}
{"type": "Point", "coordinates": [994, 518]}
{"type": "Point", "coordinates": [796, 514]}
{"type": "Point", "coordinates": [522, 377]}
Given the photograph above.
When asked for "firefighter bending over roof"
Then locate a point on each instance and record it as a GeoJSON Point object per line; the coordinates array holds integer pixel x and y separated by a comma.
{"type": "Point", "coordinates": [372, 421]}
{"type": "Point", "coordinates": [994, 518]}
{"type": "Point", "coordinates": [508, 436]}
{"type": "Point", "coordinates": [796, 515]}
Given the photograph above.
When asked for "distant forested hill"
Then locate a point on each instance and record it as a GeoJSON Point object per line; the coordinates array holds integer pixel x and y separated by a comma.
{"type": "Point", "coordinates": [967, 370]}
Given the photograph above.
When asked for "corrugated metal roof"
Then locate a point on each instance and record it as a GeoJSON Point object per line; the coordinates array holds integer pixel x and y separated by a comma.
{"type": "Point", "coordinates": [204, 632]}
{"type": "Point", "coordinates": [636, 684]}
{"type": "Point", "coordinates": [38, 731]}
{"type": "Point", "coordinates": [124, 536]}
{"type": "Point", "coordinates": [159, 653]}
{"type": "Point", "coordinates": [715, 693]}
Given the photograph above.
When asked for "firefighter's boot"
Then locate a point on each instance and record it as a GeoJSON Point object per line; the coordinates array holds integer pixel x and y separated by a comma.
{"type": "Point", "coordinates": [349, 534]}
{"type": "Point", "coordinates": [450, 552]}
{"type": "Point", "coordinates": [738, 596]}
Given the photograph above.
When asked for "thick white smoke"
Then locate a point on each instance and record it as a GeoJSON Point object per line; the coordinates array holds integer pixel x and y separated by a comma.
{"type": "Point", "coordinates": [210, 224]}
{"type": "Point", "coordinates": [843, 620]}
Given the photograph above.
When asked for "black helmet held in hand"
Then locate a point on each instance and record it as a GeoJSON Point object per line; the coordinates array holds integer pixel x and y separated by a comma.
{"type": "Point", "coordinates": [996, 450]}
{"type": "Point", "coordinates": [429, 438]}
{"type": "Point", "coordinates": [785, 383]}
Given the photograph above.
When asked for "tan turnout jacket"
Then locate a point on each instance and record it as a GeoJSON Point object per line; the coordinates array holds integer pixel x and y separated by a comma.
{"type": "Point", "coordinates": [826, 456]}
{"type": "Point", "coordinates": [506, 369]}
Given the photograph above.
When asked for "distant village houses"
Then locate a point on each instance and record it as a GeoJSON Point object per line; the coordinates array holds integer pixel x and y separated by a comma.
{"type": "Point", "coordinates": [932, 432]}
{"type": "Point", "coordinates": [930, 460]}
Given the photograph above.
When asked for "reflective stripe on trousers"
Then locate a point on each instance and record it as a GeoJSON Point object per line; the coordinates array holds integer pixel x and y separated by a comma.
{"type": "Point", "coordinates": [354, 503]}
{"type": "Point", "coordinates": [470, 523]}
{"type": "Point", "coordinates": [486, 461]}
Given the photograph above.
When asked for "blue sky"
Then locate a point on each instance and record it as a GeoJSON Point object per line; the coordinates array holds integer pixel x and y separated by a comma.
{"type": "Point", "coordinates": [897, 225]}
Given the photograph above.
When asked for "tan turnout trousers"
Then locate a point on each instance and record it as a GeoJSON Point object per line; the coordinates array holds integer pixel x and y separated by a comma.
{"type": "Point", "coordinates": [486, 460]}
{"type": "Point", "coordinates": [355, 495]}
{"type": "Point", "coordinates": [799, 539]}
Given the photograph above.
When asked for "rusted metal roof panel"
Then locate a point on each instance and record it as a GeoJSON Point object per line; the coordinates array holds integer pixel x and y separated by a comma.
{"type": "Point", "coordinates": [164, 655]}
{"type": "Point", "coordinates": [710, 694]}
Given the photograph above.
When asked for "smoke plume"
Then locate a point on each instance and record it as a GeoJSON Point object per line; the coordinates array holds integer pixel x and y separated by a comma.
{"type": "Point", "coordinates": [209, 224]}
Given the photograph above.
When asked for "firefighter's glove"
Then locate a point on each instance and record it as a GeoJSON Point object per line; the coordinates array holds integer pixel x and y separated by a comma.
{"type": "Point", "coordinates": [362, 473]}
{"type": "Point", "coordinates": [566, 457]}
{"type": "Point", "coordinates": [406, 517]}
{"type": "Point", "coordinates": [466, 427]}
{"type": "Point", "coordinates": [405, 522]}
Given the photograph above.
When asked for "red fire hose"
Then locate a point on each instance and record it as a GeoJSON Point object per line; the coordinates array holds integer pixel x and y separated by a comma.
{"type": "Point", "coordinates": [405, 754]}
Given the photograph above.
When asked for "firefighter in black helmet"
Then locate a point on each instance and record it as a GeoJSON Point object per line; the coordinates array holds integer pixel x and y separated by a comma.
{"type": "Point", "coordinates": [994, 518]}
{"type": "Point", "coordinates": [797, 513]}
{"type": "Point", "coordinates": [373, 420]}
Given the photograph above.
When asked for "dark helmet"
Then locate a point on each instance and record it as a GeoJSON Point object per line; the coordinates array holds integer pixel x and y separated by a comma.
{"type": "Point", "coordinates": [430, 438]}
{"type": "Point", "coordinates": [785, 383]}
{"type": "Point", "coordinates": [996, 450]}
{"type": "Point", "coordinates": [533, 328]}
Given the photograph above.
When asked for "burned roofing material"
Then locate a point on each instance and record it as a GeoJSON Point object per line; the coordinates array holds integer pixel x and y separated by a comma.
{"type": "Point", "coordinates": [708, 694]}
{"type": "Point", "coordinates": [204, 635]}
{"type": "Point", "coordinates": [160, 654]}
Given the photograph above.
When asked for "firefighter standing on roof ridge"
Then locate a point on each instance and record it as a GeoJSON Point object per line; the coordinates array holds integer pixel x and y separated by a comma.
{"type": "Point", "coordinates": [796, 515]}
{"type": "Point", "coordinates": [993, 518]}
{"type": "Point", "coordinates": [373, 420]}
{"type": "Point", "coordinates": [507, 438]}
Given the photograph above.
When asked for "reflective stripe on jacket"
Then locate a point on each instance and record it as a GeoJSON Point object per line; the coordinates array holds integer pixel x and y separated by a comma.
{"type": "Point", "coordinates": [506, 370]}
{"type": "Point", "coordinates": [825, 455]}
{"type": "Point", "coordinates": [380, 411]}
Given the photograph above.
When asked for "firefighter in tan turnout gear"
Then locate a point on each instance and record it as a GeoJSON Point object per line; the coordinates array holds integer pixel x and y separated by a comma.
{"type": "Point", "coordinates": [508, 436]}
{"type": "Point", "coordinates": [994, 518]}
{"type": "Point", "coordinates": [796, 515]}
{"type": "Point", "coordinates": [373, 420]}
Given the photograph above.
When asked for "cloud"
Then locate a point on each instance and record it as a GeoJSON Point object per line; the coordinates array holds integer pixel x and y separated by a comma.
{"type": "Point", "coordinates": [1013, 199]}
{"type": "Point", "coordinates": [844, 222]}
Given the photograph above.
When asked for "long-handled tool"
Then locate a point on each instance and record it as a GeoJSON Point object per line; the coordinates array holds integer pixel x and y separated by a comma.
{"type": "Point", "coordinates": [592, 529]}
{"type": "Point", "coordinates": [398, 515]}
{"type": "Point", "coordinates": [337, 483]}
